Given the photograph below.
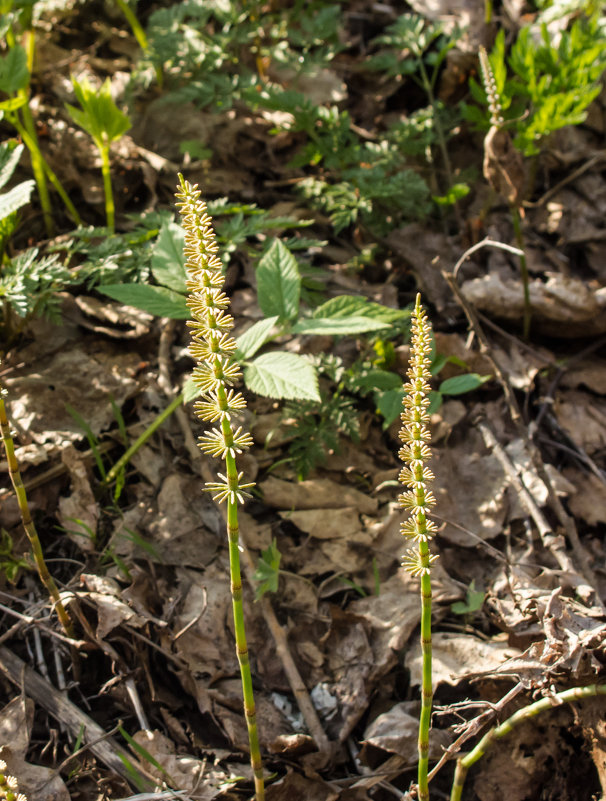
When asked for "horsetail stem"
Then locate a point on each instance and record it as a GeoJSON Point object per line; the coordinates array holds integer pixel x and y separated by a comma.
{"type": "Point", "coordinates": [212, 347]}
{"type": "Point", "coordinates": [28, 523]}
{"type": "Point", "coordinates": [418, 500]}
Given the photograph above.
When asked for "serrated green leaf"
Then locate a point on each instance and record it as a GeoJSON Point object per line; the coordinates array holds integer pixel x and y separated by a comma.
{"type": "Point", "coordinates": [18, 196]}
{"type": "Point", "coordinates": [156, 300]}
{"type": "Point", "coordinates": [278, 282]}
{"type": "Point", "coordinates": [338, 326]}
{"type": "Point", "coordinates": [253, 339]}
{"type": "Point", "coordinates": [357, 306]}
{"type": "Point", "coordinates": [282, 376]}
{"type": "Point", "coordinates": [14, 74]}
{"type": "Point", "coordinates": [167, 261]}
{"type": "Point", "coordinates": [460, 384]}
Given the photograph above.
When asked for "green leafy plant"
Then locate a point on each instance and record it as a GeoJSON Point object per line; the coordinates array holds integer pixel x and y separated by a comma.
{"type": "Point", "coordinates": [101, 118]}
{"type": "Point", "coordinates": [14, 199]}
{"type": "Point", "coordinates": [415, 48]}
{"type": "Point", "coordinates": [267, 573]}
{"type": "Point", "coordinates": [541, 85]}
{"type": "Point", "coordinates": [474, 600]}
{"type": "Point", "coordinates": [15, 76]}
{"type": "Point", "coordinates": [10, 564]}
{"type": "Point", "coordinates": [212, 348]}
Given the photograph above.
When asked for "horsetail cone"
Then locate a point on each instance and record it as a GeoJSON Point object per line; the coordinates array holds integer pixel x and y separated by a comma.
{"type": "Point", "coordinates": [418, 500]}
{"type": "Point", "coordinates": [212, 347]}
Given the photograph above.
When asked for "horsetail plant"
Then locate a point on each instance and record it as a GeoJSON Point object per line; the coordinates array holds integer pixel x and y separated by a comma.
{"type": "Point", "coordinates": [418, 500]}
{"type": "Point", "coordinates": [212, 347]}
{"type": "Point", "coordinates": [28, 523]}
{"type": "Point", "coordinates": [9, 785]}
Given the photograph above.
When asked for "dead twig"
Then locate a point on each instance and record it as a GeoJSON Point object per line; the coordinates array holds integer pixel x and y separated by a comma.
{"type": "Point", "coordinates": [101, 744]}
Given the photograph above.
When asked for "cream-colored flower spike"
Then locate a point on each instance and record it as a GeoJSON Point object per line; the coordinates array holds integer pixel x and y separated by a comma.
{"type": "Point", "coordinates": [418, 501]}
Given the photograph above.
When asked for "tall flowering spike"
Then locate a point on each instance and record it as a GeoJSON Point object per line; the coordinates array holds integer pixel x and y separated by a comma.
{"type": "Point", "coordinates": [212, 348]}
{"type": "Point", "coordinates": [418, 500]}
{"type": "Point", "coordinates": [212, 345]}
{"type": "Point", "coordinates": [415, 451]}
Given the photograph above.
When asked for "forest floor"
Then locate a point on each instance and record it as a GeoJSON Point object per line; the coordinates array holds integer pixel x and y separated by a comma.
{"type": "Point", "coordinates": [147, 701]}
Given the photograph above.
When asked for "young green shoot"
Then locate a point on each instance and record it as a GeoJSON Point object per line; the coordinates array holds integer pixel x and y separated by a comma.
{"type": "Point", "coordinates": [418, 500]}
{"type": "Point", "coordinates": [213, 347]}
{"type": "Point", "coordinates": [102, 119]}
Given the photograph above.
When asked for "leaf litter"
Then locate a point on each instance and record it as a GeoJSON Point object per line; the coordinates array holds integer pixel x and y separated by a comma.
{"type": "Point", "coordinates": [160, 601]}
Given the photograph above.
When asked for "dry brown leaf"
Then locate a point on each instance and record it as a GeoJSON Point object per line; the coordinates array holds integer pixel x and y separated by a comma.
{"type": "Point", "coordinates": [182, 772]}
{"type": "Point", "coordinates": [316, 522]}
{"type": "Point", "coordinates": [78, 513]}
{"type": "Point", "coordinates": [459, 656]}
{"type": "Point", "coordinates": [470, 490]}
{"type": "Point", "coordinates": [561, 305]}
{"type": "Point", "coordinates": [583, 418]}
{"type": "Point", "coordinates": [397, 731]}
{"type": "Point", "coordinates": [588, 502]}
{"type": "Point", "coordinates": [320, 493]}
{"type": "Point", "coordinates": [36, 782]}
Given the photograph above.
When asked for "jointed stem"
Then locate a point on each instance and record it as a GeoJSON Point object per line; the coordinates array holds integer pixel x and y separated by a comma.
{"type": "Point", "coordinates": [527, 712]}
{"type": "Point", "coordinates": [28, 523]}
{"type": "Point", "coordinates": [107, 186]}
{"type": "Point", "coordinates": [426, 683]}
{"type": "Point", "coordinates": [233, 533]}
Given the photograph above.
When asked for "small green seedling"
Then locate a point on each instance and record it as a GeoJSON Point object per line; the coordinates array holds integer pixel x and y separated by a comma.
{"type": "Point", "coordinates": [102, 119]}
{"type": "Point", "coordinates": [474, 600]}
{"type": "Point", "coordinates": [267, 573]}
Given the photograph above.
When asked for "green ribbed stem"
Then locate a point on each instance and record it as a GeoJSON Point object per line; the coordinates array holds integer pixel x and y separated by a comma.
{"type": "Point", "coordinates": [527, 712]}
{"type": "Point", "coordinates": [426, 683]}
{"type": "Point", "coordinates": [233, 534]}
{"type": "Point", "coordinates": [110, 212]}
{"type": "Point", "coordinates": [28, 523]}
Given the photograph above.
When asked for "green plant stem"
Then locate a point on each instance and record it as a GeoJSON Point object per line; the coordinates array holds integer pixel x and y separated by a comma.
{"type": "Point", "coordinates": [140, 441]}
{"type": "Point", "coordinates": [37, 165]}
{"type": "Point", "coordinates": [517, 228]}
{"type": "Point", "coordinates": [107, 186]}
{"type": "Point", "coordinates": [233, 534]}
{"type": "Point", "coordinates": [527, 712]}
{"type": "Point", "coordinates": [139, 34]}
{"type": "Point", "coordinates": [426, 683]}
{"type": "Point", "coordinates": [28, 523]}
{"type": "Point", "coordinates": [32, 146]}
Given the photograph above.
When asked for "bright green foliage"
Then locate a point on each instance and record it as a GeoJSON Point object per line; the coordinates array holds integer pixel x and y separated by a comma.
{"type": "Point", "coordinates": [99, 116]}
{"type": "Point", "coordinates": [15, 198]}
{"type": "Point", "coordinates": [14, 74]}
{"type": "Point", "coordinates": [550, 86]}
{"type": "Point", "coordinates": [10, 563]}
{"type": "Point", "coordinates": [102, 119]}
{"type": "Point", "coordinates": [414, 48]}
{"type": "Point", "coordinates": [29, 287]}
{"type": "Point", "coordinates": [267, 573]}
{"type": "Point", "coordinates": [474, 600]}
